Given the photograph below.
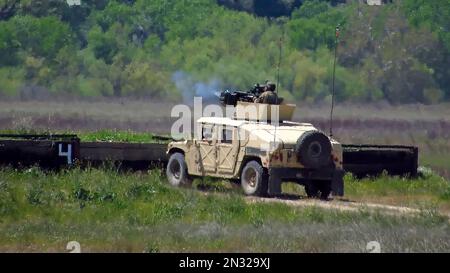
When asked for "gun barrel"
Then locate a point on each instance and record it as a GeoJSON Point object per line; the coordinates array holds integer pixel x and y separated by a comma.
{"type": "Point", "coordinates": [231, 98]}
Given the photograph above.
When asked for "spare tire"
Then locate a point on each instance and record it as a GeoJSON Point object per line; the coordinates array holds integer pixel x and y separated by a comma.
{"type": "Point", "coordinates": [313, 149]}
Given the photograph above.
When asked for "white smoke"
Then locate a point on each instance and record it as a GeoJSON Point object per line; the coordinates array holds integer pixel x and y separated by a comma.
{"type": "Point", "coordinates": [189, 88]}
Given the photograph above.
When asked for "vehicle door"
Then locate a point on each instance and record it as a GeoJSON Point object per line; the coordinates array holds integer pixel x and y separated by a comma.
{"type": "Point", "coordinates": [227, 149]}
{"type": "Point", "coordinates": [207, 150]}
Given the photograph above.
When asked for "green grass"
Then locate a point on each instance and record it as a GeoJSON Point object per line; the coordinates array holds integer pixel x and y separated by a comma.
{"type": "Point", "coordinates": [384, 185]}
{"type": "Point", "coordinates": [122, 136]}
{"type": "Point", "coordinates": [106, 210]}
{"type": "Point", "coordinates": [103, 135]}
{"type": "Point", "coordinates": [439, 160]}
{"type": "Point", "coordinates": [428, 190]}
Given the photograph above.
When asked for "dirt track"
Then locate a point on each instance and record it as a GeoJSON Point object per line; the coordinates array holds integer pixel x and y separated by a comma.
{"type": "Point", "coordinates": [341, 205]}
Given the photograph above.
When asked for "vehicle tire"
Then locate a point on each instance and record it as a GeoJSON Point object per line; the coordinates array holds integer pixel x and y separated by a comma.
{"type": "Point", "coordinates": [318, 189]}
{"type": "Point", "coordinates": [325, 190]}
{"type": "Point", "coordinates": [314, 149]}
{"type": "Point", "coordinates": [176, 170]}
{"type": "Point", "coordinates": [312, 191]}
{"type": "Point", "coordinates": [254, 181]}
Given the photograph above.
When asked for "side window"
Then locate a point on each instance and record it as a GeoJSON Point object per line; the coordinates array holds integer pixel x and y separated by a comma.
{"type": "Point", "coordinates": [207, 132]}
{"type": "Point", "coordinates": [227, 135]}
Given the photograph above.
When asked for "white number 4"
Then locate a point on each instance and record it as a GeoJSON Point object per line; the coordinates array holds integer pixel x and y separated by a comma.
{"type": "Point", "coordinates": [67, 154]}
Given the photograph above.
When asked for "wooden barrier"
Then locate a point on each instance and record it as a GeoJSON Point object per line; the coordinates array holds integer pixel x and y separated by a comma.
{"type": "Point", "coordinates": [55, 151]}
{"type": "Point", "coordinates": [371, 160]}
{"type": "Point", "coordinates": [118, 151]}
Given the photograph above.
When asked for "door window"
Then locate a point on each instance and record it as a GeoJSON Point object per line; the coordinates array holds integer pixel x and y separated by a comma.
{"type": "Point", "coordinates": [207, 132]}
{"type": "Point", "coordinates": [227, 135]}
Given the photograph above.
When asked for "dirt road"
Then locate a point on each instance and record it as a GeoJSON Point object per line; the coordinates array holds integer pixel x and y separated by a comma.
{"type": "Point", "coordinates": [337, 204]}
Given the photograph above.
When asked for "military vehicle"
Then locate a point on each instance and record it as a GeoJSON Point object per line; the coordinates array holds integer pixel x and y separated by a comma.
{"type": "Point", "coordinates": [262, 148]}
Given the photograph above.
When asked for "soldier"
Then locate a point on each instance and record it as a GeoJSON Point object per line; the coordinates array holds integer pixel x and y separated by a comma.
{"type": "Point", "coordinates": [268, 96]}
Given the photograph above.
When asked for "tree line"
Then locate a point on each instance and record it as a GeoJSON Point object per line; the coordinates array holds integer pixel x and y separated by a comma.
{"type": "Point", "coordinates": [398, 52]}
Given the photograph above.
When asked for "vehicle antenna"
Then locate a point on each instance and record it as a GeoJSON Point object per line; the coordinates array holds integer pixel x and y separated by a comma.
{"type": "Point", "coordinates": [279, 63]}
{"type": "Point", "coordinates": [336, 42]}
{"type": "Point", "coordinates": [278, 84]}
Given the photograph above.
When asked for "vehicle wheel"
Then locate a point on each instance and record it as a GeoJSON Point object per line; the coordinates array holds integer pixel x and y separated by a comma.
{"type": "Point", "coordinates": [253, 179]}
{"type": "Point", "coordinates": [176, 171]}
{"type": "Point", "coordinates": [325, 190]}
{"type": "Point", "coordinates": [318, 189]}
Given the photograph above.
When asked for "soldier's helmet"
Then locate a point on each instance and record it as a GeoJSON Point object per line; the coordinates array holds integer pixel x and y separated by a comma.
{"type": "Point", "coordinates": [271, 86]}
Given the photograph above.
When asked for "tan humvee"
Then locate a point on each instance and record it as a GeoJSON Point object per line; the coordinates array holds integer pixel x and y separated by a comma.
{"type": "Point", "coordinates": [260, 153]}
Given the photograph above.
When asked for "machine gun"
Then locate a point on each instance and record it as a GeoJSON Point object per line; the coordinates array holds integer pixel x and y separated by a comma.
{"type": "Point", "coordinates": [231, 98]}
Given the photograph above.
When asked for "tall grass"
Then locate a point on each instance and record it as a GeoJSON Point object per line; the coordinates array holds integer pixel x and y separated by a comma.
{"type": "Point", "coordinates": [429, 190]}
{"type": "Point", "coordinates": [426, 184]}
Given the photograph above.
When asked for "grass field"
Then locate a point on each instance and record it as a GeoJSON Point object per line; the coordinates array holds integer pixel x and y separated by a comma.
{"type": "Point", "coordinates": [106, 210]}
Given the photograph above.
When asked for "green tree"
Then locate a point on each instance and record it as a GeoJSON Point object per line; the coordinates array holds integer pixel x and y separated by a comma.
{"type": "Point", "coordinates": [9, 44]}
{"type": "Point", "coordinates": [35, 36]}
{"type": "Point", "coordinates": [310, 9]}
{"type": "Point", "coordinates": [314, 24]}
{"type": "Point", "coordinates": [103, 44]}
{"type": "Point", "coordinates": [433, 14]}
